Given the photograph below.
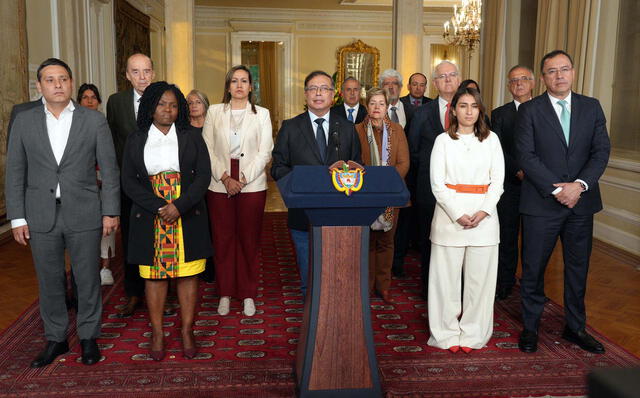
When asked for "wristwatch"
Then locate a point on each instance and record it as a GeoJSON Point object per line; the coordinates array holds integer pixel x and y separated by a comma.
{"type": "Point", "coordinates": [583, 185]}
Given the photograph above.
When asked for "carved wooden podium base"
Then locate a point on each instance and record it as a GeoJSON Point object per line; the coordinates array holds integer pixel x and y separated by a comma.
{"type": "Point", "coordinates": [336, 356]}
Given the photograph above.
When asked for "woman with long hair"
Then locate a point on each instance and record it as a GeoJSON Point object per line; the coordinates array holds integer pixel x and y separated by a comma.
{"type": "Point", "coordinates": [239, 138]}
{"type": "Point", "coordinates": [165, 172]}
{"type": "Point", "coordinates": [466, 172]}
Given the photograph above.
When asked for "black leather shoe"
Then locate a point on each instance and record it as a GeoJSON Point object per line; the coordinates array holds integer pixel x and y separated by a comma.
{"type": "Point", "coordinates": [90, 351]}
{"type": "Point", "coordinates": [503, 293]}
{"type": "Point", "coordinates": [50, 352]}
{"type": "Point", "coordinates": [528, 341]}
{"type": "Point", "coordinates": [132, 304]}
{"type": "Point", "coordinates": [583, 339]}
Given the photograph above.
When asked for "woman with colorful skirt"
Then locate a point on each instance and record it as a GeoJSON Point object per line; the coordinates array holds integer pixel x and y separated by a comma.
{"type": "Point", "coordinates": [166, 172]}
{"type": "Point", "coordinates": [239, 137]}
{"type": "Point", "coordinates": [466, 172]}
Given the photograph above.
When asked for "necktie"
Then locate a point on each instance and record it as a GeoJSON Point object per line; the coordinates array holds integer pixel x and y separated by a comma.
{"type": "Point", "coordinates": [394, 115]}
{"type": "Point", "coordinates": [321, 138]}
{"type": "Point", "coordinates": [446, 117]}
{"type": "Point", "coordinates": [416, 102]}
{"type": "Point", "coordinates": [565, 119]}
{"type": "Point", "coordinates": [350, 117]}
{"type": "Point", "coordinates": [135, 107]}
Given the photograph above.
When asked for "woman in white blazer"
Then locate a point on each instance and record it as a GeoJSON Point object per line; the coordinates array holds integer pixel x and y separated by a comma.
{"type": "Point", "coordinates": [467, 172]}
{"type": "Point", "coordinates": [238, 135]}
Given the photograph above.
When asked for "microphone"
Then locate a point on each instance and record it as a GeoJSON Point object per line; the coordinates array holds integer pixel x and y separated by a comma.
{"type": "Point", "coordinates": [336, 137]}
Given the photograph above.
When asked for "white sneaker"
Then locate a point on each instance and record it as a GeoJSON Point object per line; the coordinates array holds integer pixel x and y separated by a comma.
{"type": "Point", "coordinates": [249, 307]}
{"type": "Point", "coordinates": [223, 306]}
{"type": "Point", "coordinates": [106, 277]}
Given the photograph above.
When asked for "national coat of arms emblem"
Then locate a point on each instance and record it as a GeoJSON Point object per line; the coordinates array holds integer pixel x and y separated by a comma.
{"type": "Point", "coordinates": [348, 177]}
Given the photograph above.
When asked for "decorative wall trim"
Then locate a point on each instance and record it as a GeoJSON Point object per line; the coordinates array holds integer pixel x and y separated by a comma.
{"type": "Point", "coordinates": [616, 237]}
{"type": "Point", "coordinates": [621, 214]}
{"type": "Point", "coordinates": [341, 27]}
{"type": "Point", "coordinates": [622, 183]}
{"type": "Point", "coordinates": [624, 164]}
{"type": "Point", "coordinates": [55, 32]}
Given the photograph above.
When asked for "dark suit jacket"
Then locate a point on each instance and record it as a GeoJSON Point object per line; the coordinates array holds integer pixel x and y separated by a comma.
{"type": "Point", "coordinates": [17, 108]}
{"type": "Point", "coordinates": [503, 123]}
{"type": "Point", "coordinates": [33, 172]}
{"type": "Point", "coordinates": [195, 175]}
{"type": "Point", "coordinates": [425, 127]}
{"type": "Point", "coordinates": [407, 101]}
{"type": "Point", "coordinates": [546, 158]}
{"type": "Point", "coordinates": [340, 110]}
{"type": "Point", "coordinates": [122, 119]}
{"type": "Point", "coordinates": [296, 145]}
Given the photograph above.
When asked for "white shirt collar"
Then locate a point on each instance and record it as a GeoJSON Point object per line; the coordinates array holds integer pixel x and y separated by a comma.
{"type": "Point", "coordinates": [136, 96]}
{"type": "Point", "coordinates": [554, 100]}
{"type": "Point", "coordinates": [355, 108]}
{"type": "Point", "coordinates": [442, 102]}
{"type": "Point", "coordinates": [153, 130]}
{"type": "Point", "coordinates": [69, 108]}
{"type": "Point", "coordinates": [314, 117]}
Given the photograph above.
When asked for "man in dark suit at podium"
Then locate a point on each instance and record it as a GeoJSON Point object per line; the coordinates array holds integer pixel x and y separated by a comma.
{"type": "Point", "coordinates": [503, 122]}
{"type": "Point", "coordinates": [122, 111]}
{"type": "Point", "coordinates": [351, 108]}
{"type": "Point", "coordinates": [312, 138]}
{"type": "Point", "coordinates": [563, 148]}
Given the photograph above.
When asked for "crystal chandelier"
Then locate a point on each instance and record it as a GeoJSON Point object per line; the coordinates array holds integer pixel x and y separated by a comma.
{"type": "Point", "coordinates": [463, 30]}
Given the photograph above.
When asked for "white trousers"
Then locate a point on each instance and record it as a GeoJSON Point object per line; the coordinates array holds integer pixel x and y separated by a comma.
{"type": "Point", "coordinates": [475, 327]}
{"type": "Point", "coordinates": [108, 242]}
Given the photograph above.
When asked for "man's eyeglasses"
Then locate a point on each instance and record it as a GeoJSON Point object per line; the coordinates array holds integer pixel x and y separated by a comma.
{"type": "Point", "coordinates": [322, 89]}
{"type": "Point", "coordinates": [451, 75]}
{"type": "Point", "coordinates": [563, 71]}
{"type": "Point", "coordinates": [522, 79]}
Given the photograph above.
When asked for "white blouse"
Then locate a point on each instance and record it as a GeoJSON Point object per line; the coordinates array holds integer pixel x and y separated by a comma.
{"type": "Point", "coordinates": [466, 161]}
{"type": "Point", "coordinates": [235, 137]}
{"type": "Point", "coordinates": [161, 151]}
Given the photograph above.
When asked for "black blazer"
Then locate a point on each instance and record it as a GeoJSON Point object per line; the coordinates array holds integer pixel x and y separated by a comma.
{"type": "Point", "coordinates": [503, 123]}
{"type": "Point", "coordinates": [121, 117]}
{"type": "Point", "coordinates": [546, 158]}
{"type": "Point", "coordinates": [425, 127]}
{"type": "Point", "coordinates": [407, 101]}
{"type": "Point", "coordinates": [341, 111]}
{"type": "Point", "coordinates": [195, 175]}
{"type": "Point", "coordinates": [296, 145]}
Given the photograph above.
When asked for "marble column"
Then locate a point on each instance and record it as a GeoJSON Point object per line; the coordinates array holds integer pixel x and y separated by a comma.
{"type": "Point", "coordinates": [179, 43]}
{"type": "Point", "coordinates": [407, 38]}
{"type": "Point", "coordinates": [14, 78]}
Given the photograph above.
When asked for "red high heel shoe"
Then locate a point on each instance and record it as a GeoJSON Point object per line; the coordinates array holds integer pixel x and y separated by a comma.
{"type": "Point", "coordinates": [454, 348]}
{"type": "Point", "coordinates": [466, 349]}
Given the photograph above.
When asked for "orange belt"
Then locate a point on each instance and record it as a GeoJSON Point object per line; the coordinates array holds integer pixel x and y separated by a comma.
{"type": "Point", "coordinates": [464, 188]}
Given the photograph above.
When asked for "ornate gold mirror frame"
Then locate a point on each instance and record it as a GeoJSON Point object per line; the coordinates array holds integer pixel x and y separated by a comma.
{"type": "Point", "coordinates": [360, 61]}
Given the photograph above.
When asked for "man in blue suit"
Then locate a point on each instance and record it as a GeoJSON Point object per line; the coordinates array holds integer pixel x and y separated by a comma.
{"type": "Point", "coordinates": [563, 148]}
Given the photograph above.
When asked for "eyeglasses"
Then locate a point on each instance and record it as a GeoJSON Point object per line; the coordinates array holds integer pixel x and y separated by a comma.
{"type": "Point", "coordinates": [322, 89]}
{"type": "Point", "coordinates": [522, 79]}
{"type": "Point", "coordinates": [450, 75]}
{"type": "Point", "coordinates": [563, 71]}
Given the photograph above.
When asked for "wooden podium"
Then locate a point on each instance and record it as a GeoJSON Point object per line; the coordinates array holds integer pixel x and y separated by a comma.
{"type": "Point", "coordinates": [336, 355]}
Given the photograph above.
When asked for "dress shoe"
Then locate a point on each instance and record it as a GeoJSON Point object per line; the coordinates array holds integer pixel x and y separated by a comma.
{"type": "Point", "coordinates": [223, 305]}
{"type": "Point", "coordinates": [503, 293]}
{"type": "Point", "coordinates": [528, 341]}
{"type": "Point", "coordinates": [90, 351]}
{"type": "Point", "coordinates": [454, 348]}
{"type": "Point", "coordinates": [583, 339]}
{"type": "Point", "coordinates": [466, 350]}
{"type": "Point", "coordinates": [157, 355]}
{"type": "Point", "coordinates": [129, 308]}
{"type": "Point", "coordinates": [189, 353]}
{"type": "Point", "coordinates": [249, 307]}
{"type": "Point", "coordinates": [50, 352]}
{"type": "Point", "coordinates": [386, 296]}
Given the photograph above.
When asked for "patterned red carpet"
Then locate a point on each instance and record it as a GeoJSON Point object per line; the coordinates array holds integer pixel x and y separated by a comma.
{"type": "Point", "coordinates": [253, 357]}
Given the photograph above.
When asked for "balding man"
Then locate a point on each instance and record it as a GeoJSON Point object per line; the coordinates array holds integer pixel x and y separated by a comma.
{"type": "Point", "coordinates": [351, 108]}
{"type": "Point", "coordinates": [122, 111]}
{"type": "Point", "coordinates": [417, 86]}
{"type": "Point", "coordinates": [503, 122]}
{"type": "Point", "coordinates": [428, 122]}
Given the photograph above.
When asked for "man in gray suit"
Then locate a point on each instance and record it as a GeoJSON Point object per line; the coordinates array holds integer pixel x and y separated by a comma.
{"type": "Point", "coordinates": [54, 204]}
{"type": "Point", "coordinates": [122, 112]}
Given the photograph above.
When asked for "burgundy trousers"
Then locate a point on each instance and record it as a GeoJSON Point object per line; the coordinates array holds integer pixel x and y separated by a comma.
{"type": "Point", "coordinates": [236, 223]}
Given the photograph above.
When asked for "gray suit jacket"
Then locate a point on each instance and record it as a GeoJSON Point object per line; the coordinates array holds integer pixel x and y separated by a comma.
{"type": "Point", "coordinates": [33, 173]}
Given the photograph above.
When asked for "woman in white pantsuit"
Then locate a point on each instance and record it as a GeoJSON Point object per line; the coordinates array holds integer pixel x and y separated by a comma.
{"type": "Point", "coordinates": [467, 172]}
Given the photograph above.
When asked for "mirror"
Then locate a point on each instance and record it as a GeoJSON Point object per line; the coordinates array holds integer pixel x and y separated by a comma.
{"type": "Point", "coordinates": [360, 61]}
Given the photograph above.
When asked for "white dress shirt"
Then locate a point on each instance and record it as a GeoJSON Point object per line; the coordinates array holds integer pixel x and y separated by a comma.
{"type": "Point", "coordinates": [355, 110]}
{"type": "Point", "coordinates": [136, 102]}
{"type": "Point", "coordinates": [402, 117]}
{"type": "Point", "coordinates": [517, 104]}
{"type": "Point", "coordinates": [161, 151]}
{"type": "Point", "coordinates": [235, 137]}
{"type": "Point", "coordinates": [325, 124]}
{"type": "Point", "coordinates": [58, 132]}
{"type": "Point", "coordinates": [442, 105]}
